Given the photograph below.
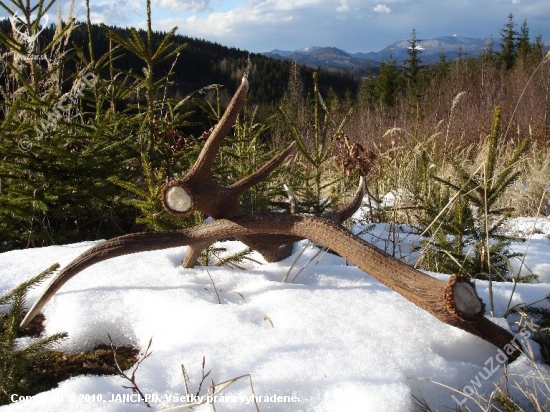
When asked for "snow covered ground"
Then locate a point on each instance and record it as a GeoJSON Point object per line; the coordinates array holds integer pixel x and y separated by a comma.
{"type": "Point", "coordinates": [333, 340]}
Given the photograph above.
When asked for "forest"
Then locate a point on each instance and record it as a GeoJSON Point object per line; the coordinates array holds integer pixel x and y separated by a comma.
{"type": "Point", "coordinates": [199, 62]}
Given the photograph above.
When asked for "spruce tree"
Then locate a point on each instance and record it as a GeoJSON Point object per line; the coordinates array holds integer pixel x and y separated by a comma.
{"type": "Point", "coordinates": [310, 178]}
{"type": "Point", "coordinates": [508, 45]}
{"type": "Point", "coordinates": [524, 42]}
{"type": "Point", "coordinates": [412, 70]}
{"type": "Point", "coordinates": [387, 83]}
{"type": "Point", "coordinates": [468, 240]}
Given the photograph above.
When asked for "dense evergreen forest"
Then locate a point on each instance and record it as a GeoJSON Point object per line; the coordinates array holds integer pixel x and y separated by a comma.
{"type": "Point", "coordinates": [200, 63]}
{"type": "Point", "coordinates": [96, 119]}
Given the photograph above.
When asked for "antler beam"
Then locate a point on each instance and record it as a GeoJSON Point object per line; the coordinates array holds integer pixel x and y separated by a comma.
{"type": "Point", "coordinates": [455, 302]}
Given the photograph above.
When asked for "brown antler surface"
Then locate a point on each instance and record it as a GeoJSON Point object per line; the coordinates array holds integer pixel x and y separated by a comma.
{"type": "Point", "coordinates": [197, 191]}
{"type": "Point", "coordinates": [455, 302]}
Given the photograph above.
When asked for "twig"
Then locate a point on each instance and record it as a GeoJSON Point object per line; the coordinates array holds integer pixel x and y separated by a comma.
{"type": "Point", "coordinates": [215, 291]}
{"type": "Point", "coordinates": [163, 101]}
{"type": "Point", "coordinates": [268, 319]}
{"type": "Point", "coordinates": [516, 278]}
{"type": "Point", "coordinates": [185, 379]}
{"type": "Point", "coordinates": [204, 376]}
{"type": "Point", "coordinates": [293, 264]}
{"type": "Point", "coordinates": [476, 401]}
{"type": "Point", "coordinates": [210, 393]}
{"type": "Point", "coordinates": [307, 264]}
{"type": "Point", "coordinates": [221, 386]}
{"type": "Point", "coordinates": [131, 379]}
{"type": "Point", "coordinates": [241, 295]}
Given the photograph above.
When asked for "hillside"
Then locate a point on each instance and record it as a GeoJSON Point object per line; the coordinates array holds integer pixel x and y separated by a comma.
{"type": "Point", "coordinates": [203, 63]}
{"type": "Point", "coordinates": [329, 57]}
{"type": "Point", "coordinates": [432, 49]}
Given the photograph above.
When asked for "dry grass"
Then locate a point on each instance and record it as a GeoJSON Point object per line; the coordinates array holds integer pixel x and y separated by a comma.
{"type": "Point", "coordinates": [454, 121]}
{"type": "Point", "coordinates": [528, 392]}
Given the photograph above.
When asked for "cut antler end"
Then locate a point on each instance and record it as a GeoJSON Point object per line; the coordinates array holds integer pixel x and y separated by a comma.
{"type": "Point", "coordinates": [177, 199]}
{"type": "Point", "coordinates": [462, 299]}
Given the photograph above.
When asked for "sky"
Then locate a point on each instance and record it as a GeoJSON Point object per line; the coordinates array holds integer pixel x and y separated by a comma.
{"type": "Point", "coordinates": [351, 25]}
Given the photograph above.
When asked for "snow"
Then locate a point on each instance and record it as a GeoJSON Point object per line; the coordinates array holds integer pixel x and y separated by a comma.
{"type": "Point", "coordinates": [334, 340]}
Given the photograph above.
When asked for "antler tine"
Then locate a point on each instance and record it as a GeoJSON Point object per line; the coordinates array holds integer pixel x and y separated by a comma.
{"type": "Point", "coordinates": [40, 30]}
{"type": "Point", "coordinates": [14, 24]}
{"type": "Point", "coordinates": [341, 216]}
{"type": "Point", "coordinates": [260, 174]}
{"type": "Point", "coordinates": [356, 203]}
{"type": "Point", "coordinates": [193, 253]}
{"type": "Point", "coordinates": [292, 200]}
{"type": "Point", "coordinates": [203, 165]}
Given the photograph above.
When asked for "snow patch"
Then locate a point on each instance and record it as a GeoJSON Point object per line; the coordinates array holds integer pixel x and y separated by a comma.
{"type": "Point", "coordinates": [336, 339]}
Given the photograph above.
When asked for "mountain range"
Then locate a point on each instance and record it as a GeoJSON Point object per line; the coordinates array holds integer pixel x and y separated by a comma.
{"type": "Point", "coordinates": [432, 49]}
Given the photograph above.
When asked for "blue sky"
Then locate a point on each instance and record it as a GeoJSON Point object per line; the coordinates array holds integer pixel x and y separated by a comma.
{"type": "Point", "coordinates": [352, 25]}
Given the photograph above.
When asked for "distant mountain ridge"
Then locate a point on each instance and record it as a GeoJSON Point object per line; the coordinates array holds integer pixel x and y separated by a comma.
{"type": "Point", "coordinates": [432, 49]}
{"type": "Point", "coordinates": [329, 57]}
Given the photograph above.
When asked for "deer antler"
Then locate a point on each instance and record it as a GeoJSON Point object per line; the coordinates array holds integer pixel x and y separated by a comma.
{"type": "Point", "coordinates": [455, 302]}
{"type": "Point", "coordinates": [29, 39]}
{"type": "Point", "coordinates": [197, 190]}
{"type": "Point", "coordinates": [13, 18]}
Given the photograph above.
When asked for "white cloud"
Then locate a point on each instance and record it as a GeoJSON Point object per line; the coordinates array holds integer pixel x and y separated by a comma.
{"type": "Point", "coordinates": [343, 7]}
{"type": "Point", "coordinates": [254, 20]}
{"type": "Point", "coordinates": [185, 5]}
{"type": "Point", "coordinates": [516, 1]}
{"type": "Point", "coordinates": [281, 4]}
{"type": "Point", "coordinates": [108, 12]}
{"type": "Point", "coordinates": [381, 8]}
